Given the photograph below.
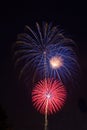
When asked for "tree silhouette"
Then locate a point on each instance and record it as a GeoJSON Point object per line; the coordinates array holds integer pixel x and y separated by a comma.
{"type": "Point", "coordinates": [3, 120]}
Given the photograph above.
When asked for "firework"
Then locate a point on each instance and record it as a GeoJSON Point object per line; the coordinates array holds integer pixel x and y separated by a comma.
{"type": "Point", "coordinates": [48, 52]}
{"type": "Point", "coordinates": [48, 96]}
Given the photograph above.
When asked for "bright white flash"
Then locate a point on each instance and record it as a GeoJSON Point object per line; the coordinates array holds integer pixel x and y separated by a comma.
{"type": "Point", "coordinates": [56, 62]}
{"type": "Point", "coordinates": [48, 95]}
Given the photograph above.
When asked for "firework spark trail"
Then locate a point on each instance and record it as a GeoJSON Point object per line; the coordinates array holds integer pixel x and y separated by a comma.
{"type": "Point", "coordinates": [44, 64]}
{"type": "Point", "coordinates": [46, 120]}
{"type": "Point", "coordinates": [46, 108]}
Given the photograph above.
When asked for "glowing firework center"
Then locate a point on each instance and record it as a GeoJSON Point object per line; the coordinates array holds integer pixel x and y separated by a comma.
{"type": "Point", "coordinates": [56, 62]}
{"type": "Point", "coordinates": [48, 95]}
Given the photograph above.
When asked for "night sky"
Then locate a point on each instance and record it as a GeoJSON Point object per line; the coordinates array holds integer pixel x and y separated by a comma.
{"type": "Point", "coordinates": [15, 96]}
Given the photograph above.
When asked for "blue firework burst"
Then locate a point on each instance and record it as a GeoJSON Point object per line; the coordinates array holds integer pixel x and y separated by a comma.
{"type": "Point", "coordinates": [48, 52]}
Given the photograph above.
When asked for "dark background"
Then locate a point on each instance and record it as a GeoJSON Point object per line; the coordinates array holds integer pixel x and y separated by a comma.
{"type": "Point", "coordinates": [16, 109]}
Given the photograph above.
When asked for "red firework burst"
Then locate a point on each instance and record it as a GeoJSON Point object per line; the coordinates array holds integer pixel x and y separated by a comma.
{"type": "Point", "coordinates": [50, 94]}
